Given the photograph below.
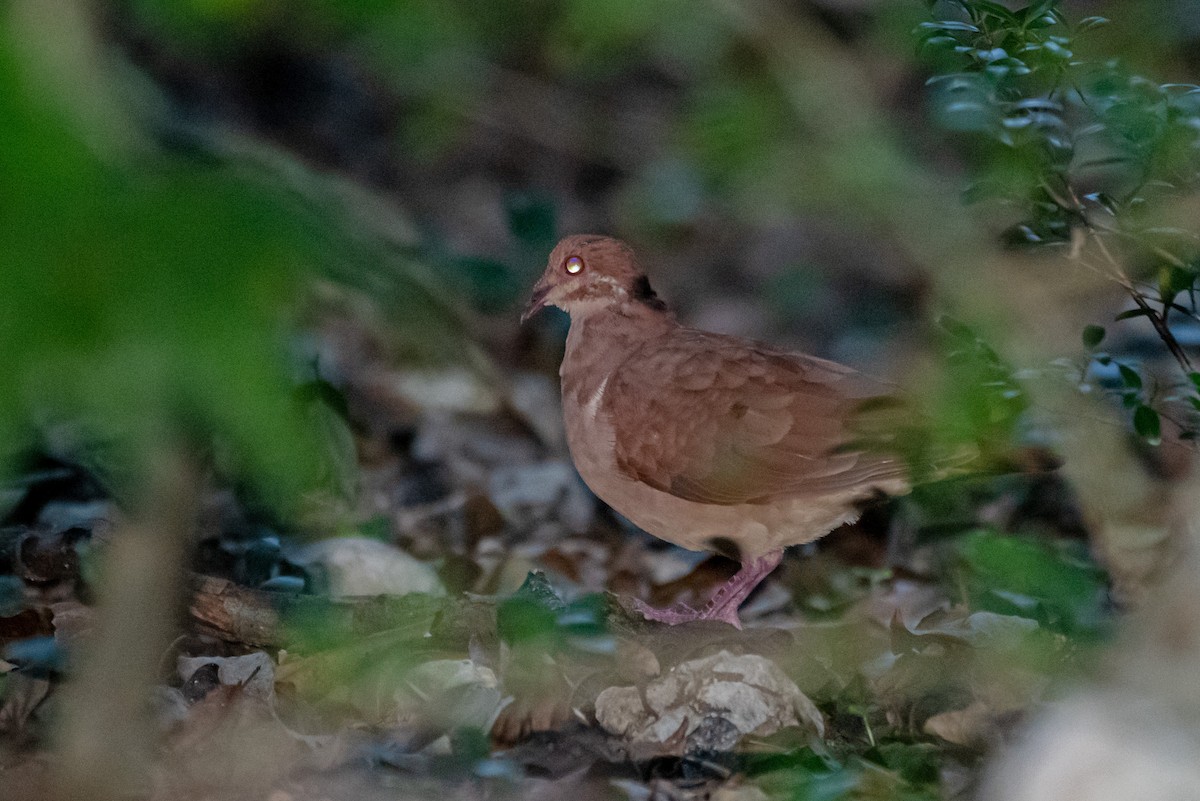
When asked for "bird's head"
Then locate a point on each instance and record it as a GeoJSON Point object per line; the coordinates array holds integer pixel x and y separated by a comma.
{"type": "Point", "coordinates": [588, 272]}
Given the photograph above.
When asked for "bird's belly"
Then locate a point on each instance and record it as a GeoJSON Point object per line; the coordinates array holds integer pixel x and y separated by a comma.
{"type": "Point", "coordinates": [756, 529]}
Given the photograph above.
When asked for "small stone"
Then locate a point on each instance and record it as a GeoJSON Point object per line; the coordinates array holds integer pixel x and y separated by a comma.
{"type": "Point", "coordinates": [454, 389]}
{"type": "Point", "coordinates": [357, 566]}
{"type": "Point", "coordinates": [747, 694]}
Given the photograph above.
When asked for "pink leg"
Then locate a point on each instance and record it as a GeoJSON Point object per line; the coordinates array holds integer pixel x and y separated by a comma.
{"type": "Point", "coordinates": [725, 601]}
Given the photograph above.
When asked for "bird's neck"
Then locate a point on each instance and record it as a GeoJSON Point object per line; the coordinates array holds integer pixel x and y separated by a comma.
{"type": "Point", "coordinates": [603, 337]}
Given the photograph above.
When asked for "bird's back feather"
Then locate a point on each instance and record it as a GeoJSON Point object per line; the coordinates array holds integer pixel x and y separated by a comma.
{"type": "Point", "coordinates": [719, 420]}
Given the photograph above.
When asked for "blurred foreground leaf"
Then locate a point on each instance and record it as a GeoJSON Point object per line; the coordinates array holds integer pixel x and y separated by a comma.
{"type": "Point", "coordinates": [1058, 586]}
{"type": "Point", "coordinates": [535, 614]}
{"type": "Point", "coordinates": [889, 772]}
{"type": "Point", "coordinates": [144, 297]}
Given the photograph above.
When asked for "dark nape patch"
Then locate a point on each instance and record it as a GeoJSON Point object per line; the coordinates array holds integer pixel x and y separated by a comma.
{"type": "Point", "coordinates": [726, 547]}
{"type": "Point", "coordinates": [643, 293]}
{"type": "Point", "coordinates": [873, 499]}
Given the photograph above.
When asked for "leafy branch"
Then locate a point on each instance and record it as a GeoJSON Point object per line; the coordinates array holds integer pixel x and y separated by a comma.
{"type": "Point", "coordinates": [1089, 156]}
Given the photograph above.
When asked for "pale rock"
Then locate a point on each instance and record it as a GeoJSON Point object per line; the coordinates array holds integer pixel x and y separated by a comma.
{"type": "Point", "coordinates": [748, 691]}
{"type": "Point", "coordinates": [358, 566]}
{"type": "Point", "coordinates": [450, 389]}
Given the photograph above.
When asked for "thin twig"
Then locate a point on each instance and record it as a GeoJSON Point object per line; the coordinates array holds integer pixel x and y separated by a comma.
{"type": "Point", "coordinates": [1118, 274]}
{"type": "Point", "coordinates": [1157, 320]}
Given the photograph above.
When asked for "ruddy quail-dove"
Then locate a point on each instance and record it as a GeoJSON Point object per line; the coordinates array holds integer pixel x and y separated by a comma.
{"type": "Point", "coordinates": [705, 440]}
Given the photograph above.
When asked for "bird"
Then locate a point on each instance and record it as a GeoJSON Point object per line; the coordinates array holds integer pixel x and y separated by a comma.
{"type": "Point", "coordinates": [709, 441]}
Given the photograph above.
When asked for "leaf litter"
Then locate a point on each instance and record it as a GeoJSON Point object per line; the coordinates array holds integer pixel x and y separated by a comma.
{"type": "Point", "coordinates": [469, 633]}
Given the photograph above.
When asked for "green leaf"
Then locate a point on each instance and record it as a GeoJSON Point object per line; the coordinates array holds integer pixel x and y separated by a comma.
{"type": "Point", "coordinates": [1036, 10]}
{"type": "Point", "coordinates": [1057, 586]}
{"type": "Point", "coordinates": [1130, 377]}
{"type": "Point", "coordinates": [1172, 280]}
{"type": "Point", "coordinates": [1044, 21]}
{"type": "Point", "coordinates": [996, 11]}
{"type": "Point", "coordinates": [1088, 23]}
{"type": "Point", "coordinates": [531, 612]}
{"type": "Point", "coordinates": [956, 328]}
{"type": "Point", "coordinates": [1106, 201]}
{"type": "Point", "coordinates": [1194, 377]}
{"type": "Point", "coordinates": [949, 25]}
{"type": "Point", "coordinates": [916, 763]}
{"type": "Point", "coordinates": [37, 657]}
{"type": "Point", "coordinates": [1057, 49]}
{"type": "Point", "coordinates": [1147, 424]}
{"type": "Point", "coordinates": [804, 777]}
{"type": "Point", "coordinates": [1093, 335]}
{"type": "Point", "coordinates": [1138, 312]}
{"type": "Point", "coordinates": [531, 219]}
{"type": "Point", "coordinates": [12, 595]}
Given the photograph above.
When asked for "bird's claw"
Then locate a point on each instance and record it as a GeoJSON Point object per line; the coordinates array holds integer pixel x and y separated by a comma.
{"type": "Point", "coordinates": [682, 613]}
{"type": "Point", "coordinates": [672, 616]}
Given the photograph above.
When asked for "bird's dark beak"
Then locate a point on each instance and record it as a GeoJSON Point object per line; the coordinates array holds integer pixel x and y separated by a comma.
{"type": "Point", "coordinates": [536, 301]}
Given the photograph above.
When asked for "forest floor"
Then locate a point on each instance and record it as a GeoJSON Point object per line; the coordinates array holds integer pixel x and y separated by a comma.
{"type": "Point", "coordinates": [469, 633]}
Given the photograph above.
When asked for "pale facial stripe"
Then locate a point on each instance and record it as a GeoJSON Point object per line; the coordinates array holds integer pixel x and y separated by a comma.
{"type": "Point", "coordinates": [614, 283]}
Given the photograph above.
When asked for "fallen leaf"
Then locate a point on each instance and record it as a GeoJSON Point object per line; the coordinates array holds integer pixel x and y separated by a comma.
{"type": "Point", "coordinates": [22, 696]}
{"type": "Point", "coordinates": [972, 727]}
{"type": "Point", "coordinates": [449, 693]}
{"type": "Point", "coordinates": [254, 673]}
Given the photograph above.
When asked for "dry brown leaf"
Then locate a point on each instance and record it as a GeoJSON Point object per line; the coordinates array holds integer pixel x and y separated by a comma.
{"type": "Point", "coordinates": [972, 727]}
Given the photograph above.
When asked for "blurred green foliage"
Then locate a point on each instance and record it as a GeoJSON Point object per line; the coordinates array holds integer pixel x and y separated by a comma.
{"type": "Point", "coordinates": [981, 402]}
{"type": "Point", "coordinates": [144, 298]}
{"type": "Point", "coordinates": [890, 771]}
{"type": "Point", "coordinates": [1048, 124]}
{"type": "Point", "coordinates": [11, 595]}
{"type": "Point", "coordinates": [1057, 585]}
{"type": "Point", "coordinates": [152, 293]}
{"type": "Point", "coordinates": [536, 616]}
{"type": "Point", "coordinates": [1082, 151]}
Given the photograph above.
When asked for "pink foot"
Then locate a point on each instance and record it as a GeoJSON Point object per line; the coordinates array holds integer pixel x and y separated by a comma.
{"type": "Point", "coordinates": [725, 601]}
{"type": "Point", "coordinates": [672, 616]}
{"type": "Point", "coordinates": [682, 613]}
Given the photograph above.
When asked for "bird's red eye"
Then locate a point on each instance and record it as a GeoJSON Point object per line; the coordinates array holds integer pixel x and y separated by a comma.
{"type": "Point", "coordinates": [573, 265]}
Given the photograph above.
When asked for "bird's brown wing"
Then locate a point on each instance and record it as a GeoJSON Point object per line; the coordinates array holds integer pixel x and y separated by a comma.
{"type": "Point", "coordinates": [717, 420]}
